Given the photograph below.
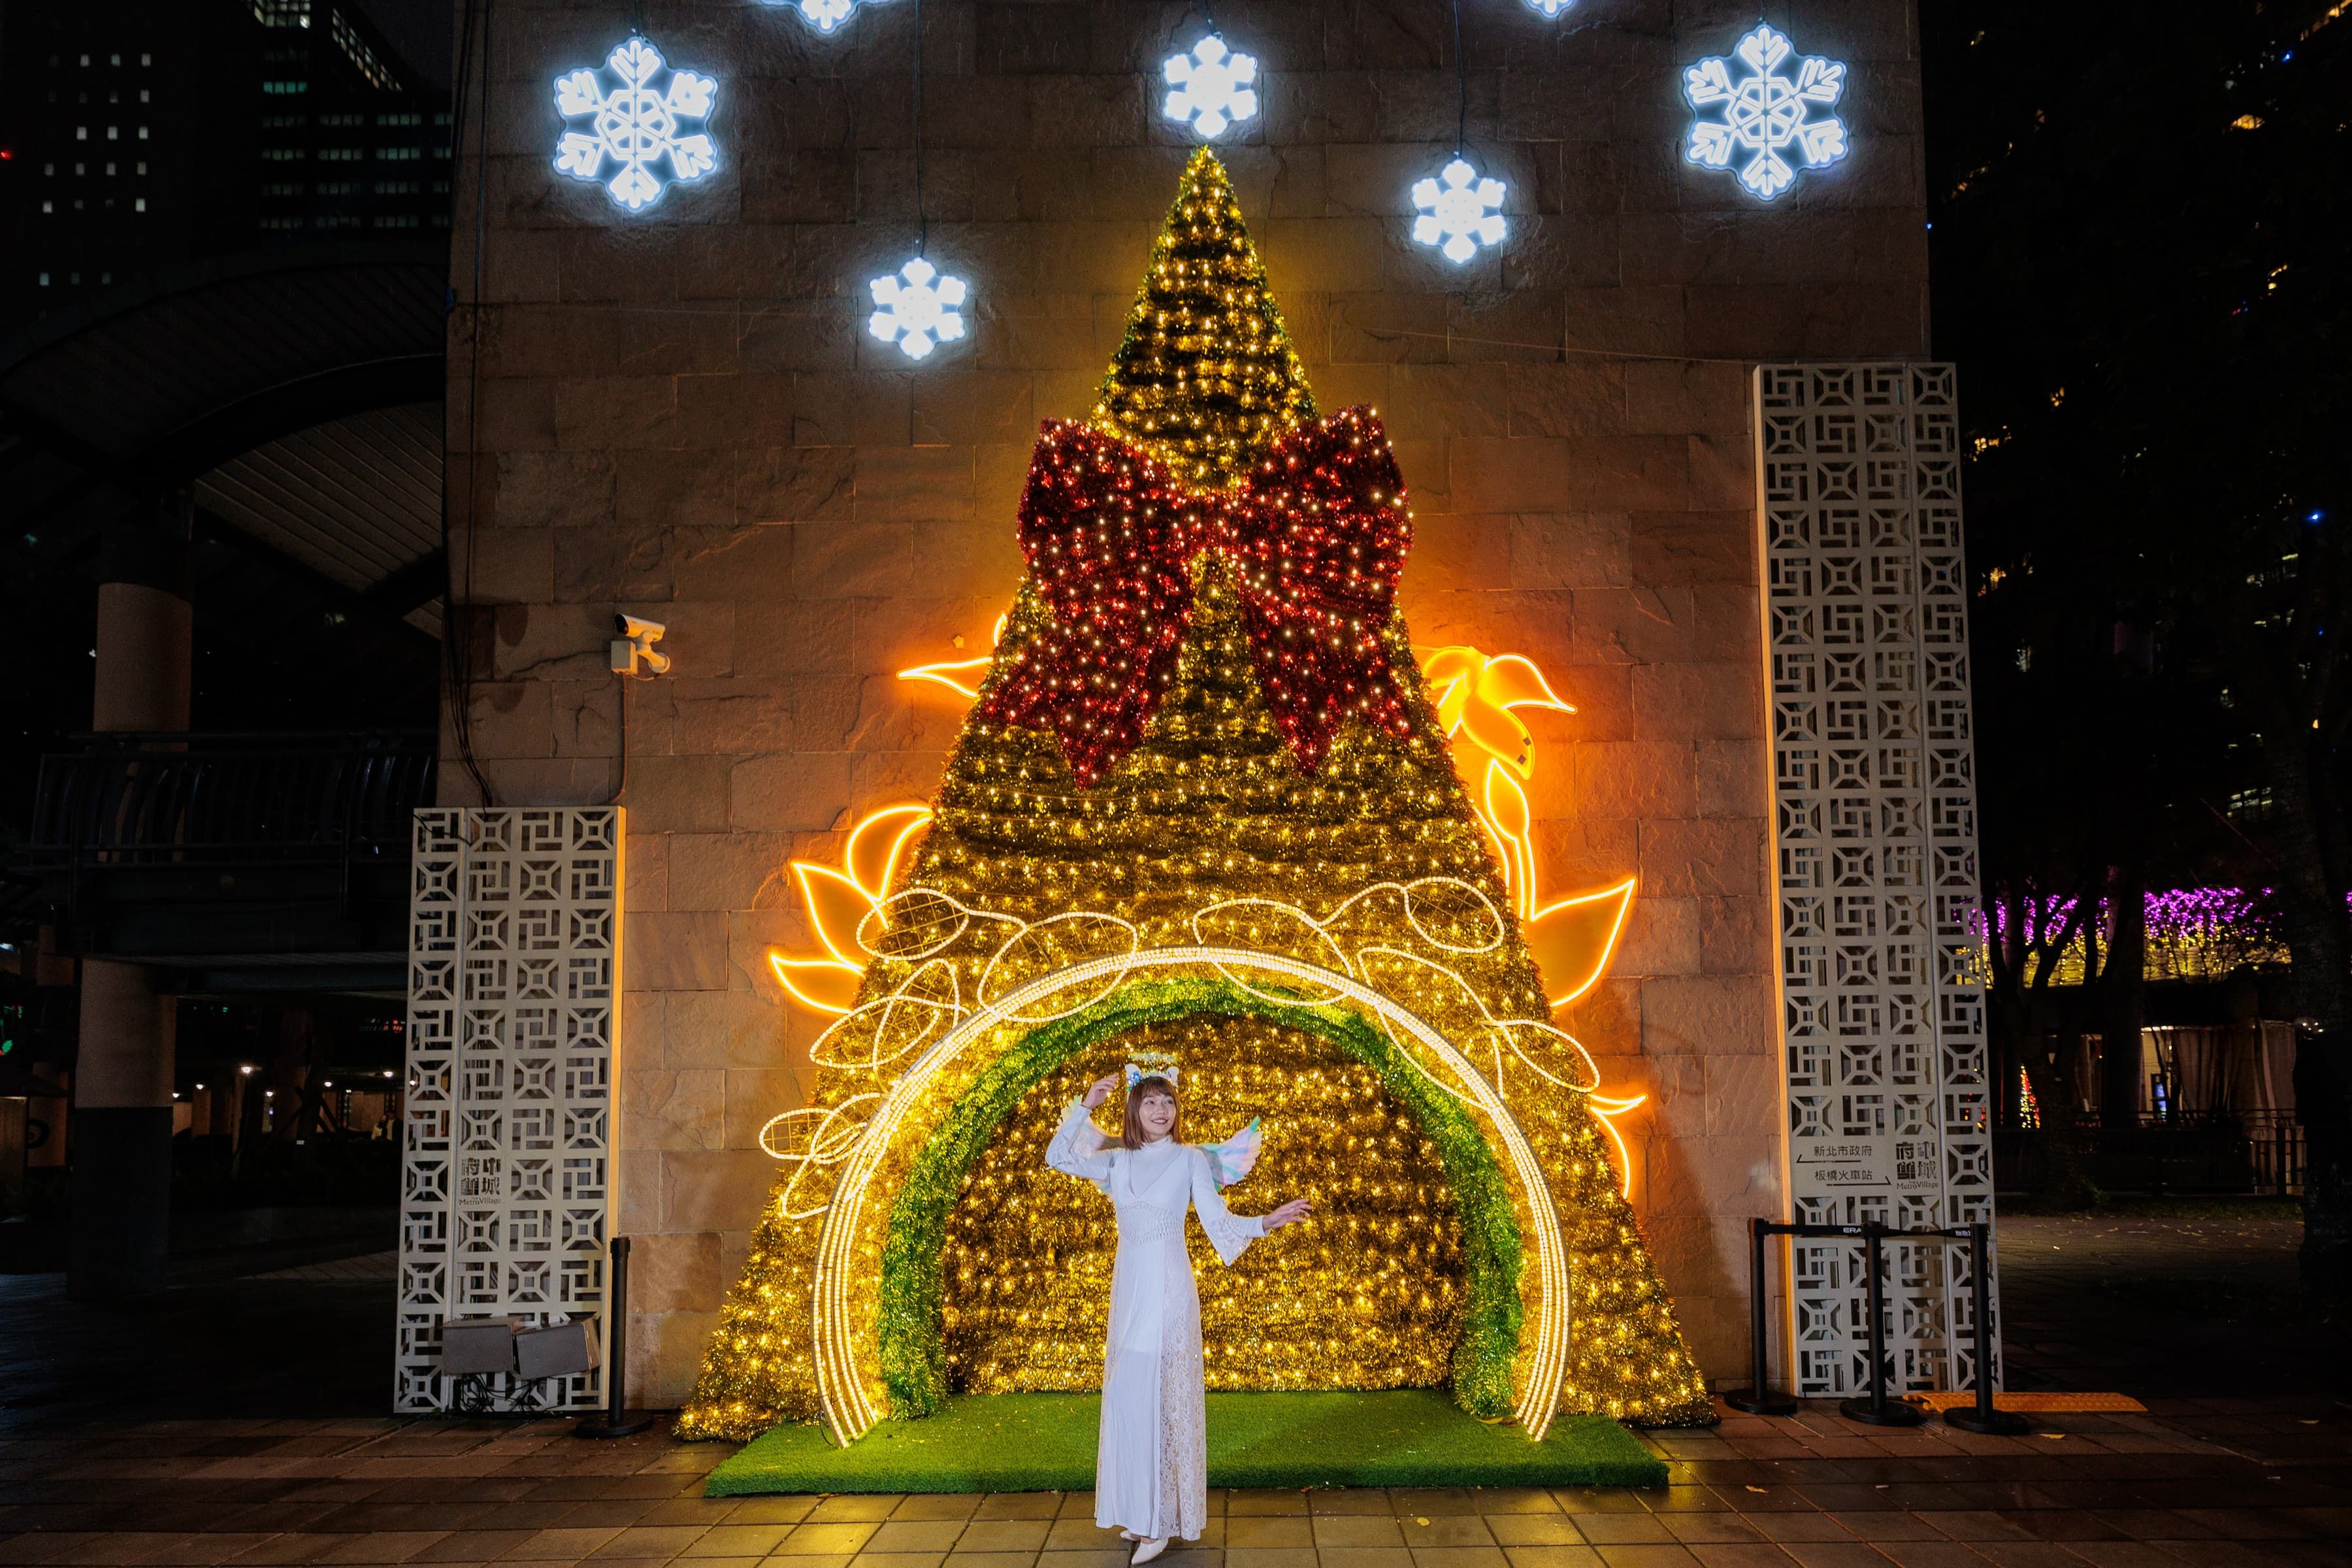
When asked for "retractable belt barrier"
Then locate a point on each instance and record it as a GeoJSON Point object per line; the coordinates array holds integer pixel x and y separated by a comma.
{"type": "Point", "coordinates": [1876, 1409]}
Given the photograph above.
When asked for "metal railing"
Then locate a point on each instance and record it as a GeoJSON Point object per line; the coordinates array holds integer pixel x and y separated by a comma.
{"type": "Point", "coordinates": [183, 800]}
{"type": "Point", "coordinates": [2256, 1152]}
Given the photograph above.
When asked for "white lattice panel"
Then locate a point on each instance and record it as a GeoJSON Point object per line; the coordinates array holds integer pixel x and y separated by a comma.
{"type": "Point", "coordinates": [1874, 787]}
{"type": "Point", "coordinates": [514, 974]}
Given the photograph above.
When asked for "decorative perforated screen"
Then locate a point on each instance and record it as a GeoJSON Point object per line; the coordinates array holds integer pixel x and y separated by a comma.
{"type": "Point", "coordinates": [1874, 788]}
{"type": "Point", "coordinates": [514, 974]}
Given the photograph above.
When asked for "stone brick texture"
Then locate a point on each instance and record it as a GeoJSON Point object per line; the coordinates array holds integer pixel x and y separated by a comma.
{"type": "Point", "coordinates": [679, 414]}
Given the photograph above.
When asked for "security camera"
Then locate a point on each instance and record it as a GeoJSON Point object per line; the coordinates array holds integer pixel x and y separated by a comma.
{"type": "Point", "coordinates": [635, 646]}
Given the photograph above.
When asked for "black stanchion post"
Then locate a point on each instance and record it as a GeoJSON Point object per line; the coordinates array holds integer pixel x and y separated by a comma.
{"type": "Point", "coordinates": [1758, 1398]}
{"type": "Point", "coordinates": [1876, 1410]}
{"type": "Point", "coordinates": [619, 1421]}
{"type": "Point", "coordinates": [1984, 1417]}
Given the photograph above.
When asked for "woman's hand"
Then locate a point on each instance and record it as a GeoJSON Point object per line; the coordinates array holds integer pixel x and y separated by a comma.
{"type": "Point", "coordinates": [1290, 1213]}
{"type": "Point", "coordinates": [1100, 1090]}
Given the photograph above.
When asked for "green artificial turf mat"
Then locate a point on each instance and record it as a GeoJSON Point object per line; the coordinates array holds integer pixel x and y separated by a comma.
{"type": "Point", "coordinates": [1045, 1442]}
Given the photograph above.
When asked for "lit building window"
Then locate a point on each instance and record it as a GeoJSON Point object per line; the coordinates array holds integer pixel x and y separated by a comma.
{"type": "Point", "coordinates": [138, 203]}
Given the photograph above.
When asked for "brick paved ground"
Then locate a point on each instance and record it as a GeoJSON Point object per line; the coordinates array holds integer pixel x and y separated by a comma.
{"type": "Point", "coordinates": [88, 1474]}
{"type": "Point", "coordinates": [2203, 1484]}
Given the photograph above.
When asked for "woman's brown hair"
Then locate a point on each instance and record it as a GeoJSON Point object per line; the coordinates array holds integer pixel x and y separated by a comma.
{"type": "Point", "coordinates": [1130, 1130]}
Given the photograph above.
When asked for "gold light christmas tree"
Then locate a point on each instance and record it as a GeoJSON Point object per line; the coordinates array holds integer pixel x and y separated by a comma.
{"type": "Point", "coordinates": [1203, 806]}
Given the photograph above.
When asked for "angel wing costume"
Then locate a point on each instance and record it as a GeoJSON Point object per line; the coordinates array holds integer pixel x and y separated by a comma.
{"type": "Point", "coordinates": [1152, 1462]}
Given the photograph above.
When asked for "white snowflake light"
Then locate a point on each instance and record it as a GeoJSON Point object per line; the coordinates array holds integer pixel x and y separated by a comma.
{"type": "Point", "coordinates": [1766, 112]}
{"type": "Point", "coordinates": [824, 16]}
{"type": "Point", "coordinates": [1211, 87]}
{"type": "Point", "coordinates": [1457, 209]}
{"type": "Point", "coordinates": [1551, 8]}
{"type": "Point", "coordinates": [917, 309]}
{"type": "Point", "coordinates": [635, 127]}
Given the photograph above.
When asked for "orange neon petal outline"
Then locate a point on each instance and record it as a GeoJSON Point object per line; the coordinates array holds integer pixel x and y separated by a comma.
{"type": "Point", "coordinates": [817, 885]}
{"type": "Point", "coordinates": [1493, 729]}
{"type": "Point", "coordinates": [818, 967]}
{"type": "Point", "coordinates": [1512, 680]}
{"type": "Point", "coordinates": [950, 675]}
{"type": "Point", "coordinates": [1603, 1109]}
{"type": "Point", "coordinates": [1624, 893]}
{"type": "Point", "coordinates": [872, 877]}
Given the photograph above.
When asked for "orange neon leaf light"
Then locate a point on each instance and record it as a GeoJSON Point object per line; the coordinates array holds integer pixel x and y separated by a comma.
{"type": "Point", "coordinates": [961, 675]}
{"type": "Point", "coordinates": [1474, 696]}
{"type": "Point", "coordinates": [837, 902]}
{"type": "Point", "coordinates": [1573, 939]}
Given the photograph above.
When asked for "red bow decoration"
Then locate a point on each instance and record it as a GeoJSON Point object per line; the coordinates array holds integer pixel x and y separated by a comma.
{"type": "Point", "coordinates": [1319, 530]}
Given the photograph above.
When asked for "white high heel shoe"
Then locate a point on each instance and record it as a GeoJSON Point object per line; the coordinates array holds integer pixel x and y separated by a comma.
{"type": "Point", "coordinates": [1148, 1551]}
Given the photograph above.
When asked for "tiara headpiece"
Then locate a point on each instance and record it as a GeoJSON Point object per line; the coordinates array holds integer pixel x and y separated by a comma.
{"type": "Point", "coordinates": [1149, 1065]}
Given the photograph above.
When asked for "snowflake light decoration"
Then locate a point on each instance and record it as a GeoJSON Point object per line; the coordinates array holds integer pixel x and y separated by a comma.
{"type": "Point", "coordinates": [1551, 8]}
{"type": "Point", "coordinates": [824, 16]}
{"type": "Point", "coordinates": [1766, 112]}
{"type": "Point", "coordinates": [917, 309]}
{"type": "Point", "coordinates": [1455, 209]}
{"type": "Point", "coordinates": [634, 127]}
{"type": "Point", "coordinates": [1211, 87]}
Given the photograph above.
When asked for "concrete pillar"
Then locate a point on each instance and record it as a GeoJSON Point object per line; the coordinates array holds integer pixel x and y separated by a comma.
{"type": "Point", "coordinates": [123, 1135]}
{"type": "Point", "coordinates": [143, 644]}
{"type": "Point", "coordinates": [123, 1064]}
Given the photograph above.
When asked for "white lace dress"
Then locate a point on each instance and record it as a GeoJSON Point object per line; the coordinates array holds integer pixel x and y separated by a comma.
{"type": "Point", "coordinates": [1151, 1463]}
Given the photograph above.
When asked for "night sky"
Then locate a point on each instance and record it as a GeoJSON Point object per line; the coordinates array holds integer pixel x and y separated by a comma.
{"type": "Point", "coordinates": [420, 29]}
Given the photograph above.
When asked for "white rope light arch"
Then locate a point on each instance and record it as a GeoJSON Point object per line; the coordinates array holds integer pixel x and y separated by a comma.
{"type": "Point", "coordinates": [841, 1342]}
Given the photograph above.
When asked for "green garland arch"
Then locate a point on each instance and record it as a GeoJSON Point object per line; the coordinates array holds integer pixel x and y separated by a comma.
{"type": "Point", "coordinates": [913, 1277]}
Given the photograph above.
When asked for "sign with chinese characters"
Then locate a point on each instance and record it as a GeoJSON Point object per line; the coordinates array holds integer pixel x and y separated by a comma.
{"type": "Point", "coordinates": [1823, 1165]}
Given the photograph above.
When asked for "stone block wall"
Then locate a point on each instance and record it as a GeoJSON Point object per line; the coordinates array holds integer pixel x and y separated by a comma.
{"type": "Point", "coordinates": [679, 414]}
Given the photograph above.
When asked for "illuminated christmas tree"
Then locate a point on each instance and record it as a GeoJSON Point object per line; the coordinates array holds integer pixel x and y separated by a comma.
{"type": "Point", "coordinates": [1204, 807]}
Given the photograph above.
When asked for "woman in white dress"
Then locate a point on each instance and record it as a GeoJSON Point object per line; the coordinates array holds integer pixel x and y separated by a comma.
{"type": "Point", "coordinates": [1152, 1462]}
